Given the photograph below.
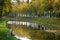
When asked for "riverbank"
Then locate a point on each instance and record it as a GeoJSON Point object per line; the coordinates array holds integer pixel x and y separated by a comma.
{"type": "Point", "coordinates": [4, 30]}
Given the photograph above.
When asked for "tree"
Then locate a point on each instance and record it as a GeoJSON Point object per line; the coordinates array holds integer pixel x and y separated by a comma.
{"type": "Point", "coordinates": [14, 7]}
{"type": "Point", "coordinates": [1, 7]}
{"type": "Point", "coordinates": [40, 7]}
{"type": "Point", "coordinates": [51, 7]}
{"type": "Point", "coordinates": [6, 7]}
{"type": "Point", "coordinates": [23, 8]}
{"type": "Point", "coordinates": [57, 9]}
{"type": "Point", "coordinates": [36, 6]}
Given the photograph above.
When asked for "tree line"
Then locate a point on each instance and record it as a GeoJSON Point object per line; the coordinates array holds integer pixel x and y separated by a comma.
{"type": "Point", "coordinates": [39, 7]}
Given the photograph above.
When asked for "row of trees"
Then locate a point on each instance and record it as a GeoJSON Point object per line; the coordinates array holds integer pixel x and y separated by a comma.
{"type": "Point", "coordinates": [1, 6]}
{"type": "Point", "coordinates": [49, 7]}
{"type": "Point", "coordinates": [5, 7]}
{"type": "Point", "coordinates": [39, 7]}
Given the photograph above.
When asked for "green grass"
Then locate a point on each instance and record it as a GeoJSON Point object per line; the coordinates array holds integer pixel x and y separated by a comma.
{"type": "Point", "coordinates": [4, 30]}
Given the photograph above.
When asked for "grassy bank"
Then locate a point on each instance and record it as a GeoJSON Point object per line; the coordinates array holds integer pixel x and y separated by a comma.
{"type": "Point", "coordinates": [4, 31]}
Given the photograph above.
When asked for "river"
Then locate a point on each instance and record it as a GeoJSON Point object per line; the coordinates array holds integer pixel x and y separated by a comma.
{"type": "Point", "coordinates": [25, 30]}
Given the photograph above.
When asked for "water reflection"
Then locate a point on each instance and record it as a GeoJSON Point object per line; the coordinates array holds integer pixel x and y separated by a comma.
{"type": "Point", "coordinates": [22, 38]}
{"type": "Point", "coordinates": [26, 30]}
{"type": "Point", "coordinates": [29, 24]}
